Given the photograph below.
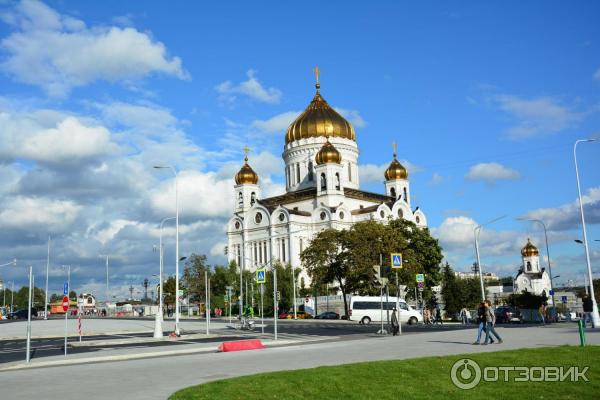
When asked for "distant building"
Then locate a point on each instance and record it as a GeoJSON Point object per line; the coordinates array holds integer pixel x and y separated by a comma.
{"type": "Point", "coordinates": [531, 277]}
{"type": "Point", "coordinates": [487, 276]}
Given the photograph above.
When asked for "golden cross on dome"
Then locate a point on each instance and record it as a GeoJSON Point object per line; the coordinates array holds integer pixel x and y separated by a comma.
{"type": "Point", "coordinates": [317, 72]}
{"type": "Point", "coordinates": [246, 151]}
{"type": "Point", "coordinates": [394, 146]}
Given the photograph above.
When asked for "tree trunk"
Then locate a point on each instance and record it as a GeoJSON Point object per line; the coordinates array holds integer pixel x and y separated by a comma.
{"type": "Point", "coordinates": [343, 289]}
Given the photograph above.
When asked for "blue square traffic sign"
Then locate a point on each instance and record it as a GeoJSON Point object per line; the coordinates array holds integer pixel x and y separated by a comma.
{"type": "Point", "coordinates": [261, 276]}
{"type": "Point", "coordinates": [396, 259]}
{"type": "Point", "coordinates": [66, 288]}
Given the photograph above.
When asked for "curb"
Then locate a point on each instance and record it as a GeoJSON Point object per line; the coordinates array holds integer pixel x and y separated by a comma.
{"type": "Point", "coordinates": [125, 357]}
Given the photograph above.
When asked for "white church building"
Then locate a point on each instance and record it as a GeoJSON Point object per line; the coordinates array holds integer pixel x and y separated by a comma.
{"type": "Point", "coordinates": [322, 191]}
{"type": "Point", "coordinates": [531, 277]}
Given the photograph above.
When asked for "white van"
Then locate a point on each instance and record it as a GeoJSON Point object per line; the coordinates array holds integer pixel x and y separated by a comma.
{"type": "Point", "coordinates": [367, 309]}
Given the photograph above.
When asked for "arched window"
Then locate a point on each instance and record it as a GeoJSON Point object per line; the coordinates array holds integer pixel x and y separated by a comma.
{"type": "Point", "coordinates": [252, 198]}
{"type": "Point", "coordinates": [240, 199]}
{"type": "Point", "coordinates": [310, 171]}
{"type": "Point", "coordinates": [323, 182]}
{"type": "Point", "coordinates": [405, 196]}
{"type": "Point", "coordinates": [337, 181]}
{"type": "Point", "coordinates": [350, 172]}
{"type": "Point", "coordinates": [393, 193]}
{"type": "Point", "coordinates": [287, 177]}
{"type": "Point", "coordinates": [298, 173]}
{"type": "Point", "coordinates": [528, 266]}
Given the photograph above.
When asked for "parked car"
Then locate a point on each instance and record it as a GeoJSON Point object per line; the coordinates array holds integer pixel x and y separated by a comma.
{"type": "Point", "coordinates": [282, 315]}
{"type": "Point", "coordinates": [299, 315]}
{"type": "Point", "coordinates": [328, 315]}
{"type": "Point", "coordinates": [508, 314]}
{"type": "Point", "coordinates": [22, 314]}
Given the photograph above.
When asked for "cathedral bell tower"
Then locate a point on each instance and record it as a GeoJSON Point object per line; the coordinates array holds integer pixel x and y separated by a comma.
{"type": "Point", "coordinates": [246, 187]}
{"type": "Point", "coordinates": [329, 171]}
{"type": "Point", "coordinates": [396, 181]}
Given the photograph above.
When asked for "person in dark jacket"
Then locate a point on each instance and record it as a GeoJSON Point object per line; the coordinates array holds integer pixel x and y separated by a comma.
{"type": "Point", "coordinates": [395, 324]}
{"type": "Point", "coordinates": [588, 308]}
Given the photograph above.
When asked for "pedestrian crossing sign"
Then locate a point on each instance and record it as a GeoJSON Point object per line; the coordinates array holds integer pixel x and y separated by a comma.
{"type": "Point", "coordinates": [396, 259]}
{"type": "Point", "coordinates": [261, 276]}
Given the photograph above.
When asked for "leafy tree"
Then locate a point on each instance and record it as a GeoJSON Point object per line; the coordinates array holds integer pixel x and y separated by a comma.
{"type": "Point", "coordinates": [194, 276]}
{"type": "Point", "coordinates": [458, 293]}
{"type": "Point", "coordinates": [526, 300]}
{"type": "Point", "coordinates": [72, 295]}
{"type": "Point", "coordinates": [346, 257]}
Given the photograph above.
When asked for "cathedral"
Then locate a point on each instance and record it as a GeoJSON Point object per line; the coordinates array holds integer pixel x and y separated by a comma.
{"type": "Point", "coordinates": [322, 191]}
{"type": "Point", "coordinates": [530, 277]}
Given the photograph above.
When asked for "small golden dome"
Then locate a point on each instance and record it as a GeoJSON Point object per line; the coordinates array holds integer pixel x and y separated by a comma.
{"type": "Point", "coordinates": [319, 119]}
{"type": "Point", "coordinates": [395, 171]}
{"type": "Point", "coordinates": [529, 250]}
{"type": "Point", "coordinates": [246, 174]}
{"type": "Point", "coordinates": [328, 154]}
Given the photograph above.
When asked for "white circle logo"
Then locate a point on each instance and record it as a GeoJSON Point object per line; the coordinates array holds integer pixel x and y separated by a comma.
{"type": "Point", "coordinates": [465, 374]}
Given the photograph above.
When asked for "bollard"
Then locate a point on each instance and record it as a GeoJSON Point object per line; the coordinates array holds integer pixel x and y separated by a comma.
{"type": "Point", "coordinates": [581, 333]}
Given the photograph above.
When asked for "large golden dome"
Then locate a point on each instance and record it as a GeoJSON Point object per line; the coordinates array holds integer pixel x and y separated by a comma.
{"type": "Point", "coordinates": [246, 174]}
{"type": "Point", "coordinates": [529, 250]}
{"type": "Point", "coordinates": [328, 154]}
{"type": "Point", "coordinates": [395, 170]}
{"type": "Point", "coordinates": [319, 119]}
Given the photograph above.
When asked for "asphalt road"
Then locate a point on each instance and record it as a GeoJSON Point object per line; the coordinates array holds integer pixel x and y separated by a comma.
{"type": "Point", "coordinates": [14, 350]}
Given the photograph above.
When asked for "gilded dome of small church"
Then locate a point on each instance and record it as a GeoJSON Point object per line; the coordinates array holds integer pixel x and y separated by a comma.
{"type": "Point", "coordinates": [395, 170]}
{"type": "Point", "coordinates": [328, 154]}
{"type": "Point", "coordinates": [529, 250]}
{"type": "Point", "coordinates": [246, 174]}
{"type": "Point", "coordinates": [319, 119]}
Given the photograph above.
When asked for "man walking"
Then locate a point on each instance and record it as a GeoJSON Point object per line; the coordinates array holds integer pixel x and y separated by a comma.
{"type": "Point", "coordinates": [395, 324]}
{"type": "Point", "coordinates": [588, 307]}
{"type": "Point", "coordinates": [490, 321]}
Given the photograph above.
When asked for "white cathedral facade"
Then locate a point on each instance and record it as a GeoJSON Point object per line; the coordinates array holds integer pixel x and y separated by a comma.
{"type": "Point", "coordinates": [322, 191]}
{"type": "Point", "coordinates": [531, 277]}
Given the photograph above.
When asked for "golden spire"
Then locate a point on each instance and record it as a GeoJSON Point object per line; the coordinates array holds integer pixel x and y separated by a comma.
{"type": "Point", "coordinates": [317, 73]}
{"type": "Point", "coordinates": [394, 146]}
{"type": "Point", "coordinates": [246, 151]}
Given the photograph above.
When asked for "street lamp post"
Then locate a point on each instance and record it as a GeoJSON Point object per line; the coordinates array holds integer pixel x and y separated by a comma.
{"type": "Point", "coordinates": [47, 269]}
{"type": "Point", "coordinates": [595, 316]}
{"type": "Point", "coordinates": [476, 233]}
{"type": "Point", "coordinates": [106, 294]}
{"type": "Point", "coordinates": [176, 246]}
{"type": "Point", "coordinates": [68, 267]}
{"type": "Point", "coordinates": [161, 263]}
{"type": "Point", "coordinates": [547, 254]}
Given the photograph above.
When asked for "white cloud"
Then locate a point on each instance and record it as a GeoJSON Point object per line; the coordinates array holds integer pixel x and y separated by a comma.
{"type": "Point", "coordinates": [353, 116]}
{"type": "Point", "coordinates": [436, 179]}
{"type": "Point", "coordinates": [25, 213]}
{"type": "Point", "coordinates": [567, 216]}
{"type": "Point", "coordinates": [491, 172]}
{"type": "Point", "coordinates": [252, 88]}
{"type": "Point", "coordinates": [48, 136]}
{"type": "Point", "coordinates": [276, 124]}
{"type": "Point", "coordinates": [58, 52]}
{"type": "Point", "coordinates": [537, 116]}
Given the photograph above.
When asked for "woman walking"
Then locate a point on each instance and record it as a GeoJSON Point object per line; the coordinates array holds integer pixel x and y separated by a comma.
{"type": "Point", "coordinates": [490, 320]}
{"type": "Point", "coordinates": [481, 323]}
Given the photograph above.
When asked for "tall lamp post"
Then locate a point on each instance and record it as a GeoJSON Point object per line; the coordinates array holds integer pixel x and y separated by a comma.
{"type": "Point", "coordinates": [175, 173]}
{"type": "Point", "coordinates": [160, 274]}
{"type": "Point", "coordinates": [595, 316]}
{"type": "Point", "coordinates": [106, 295]}
{"type": "Point", "coordinates": [547, 254]}
{"type": "Point", "coordinates": [47, 270]}
{"type": "Point", "coordinates": [476, 232]}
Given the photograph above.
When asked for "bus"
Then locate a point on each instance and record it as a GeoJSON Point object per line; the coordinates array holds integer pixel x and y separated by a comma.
{"type": "Point", "coordinates": [367, 309]}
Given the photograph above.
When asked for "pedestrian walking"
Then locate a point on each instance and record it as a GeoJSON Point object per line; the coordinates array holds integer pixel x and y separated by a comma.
{"type": "Point", "coordinates": [481, 323]}
{"type": "Point", "coordinates": [490, 321]}
{"type": "Point", "coordinates": [438, 316]}
{"type": "Point", "coordinates": [395, 324]}
{"type": "Point", "coordinates": [463, 316]}
{"type": "Point", "coordinates": [588, 308]}
{"type": "Point", "coordinates": [542, 312]}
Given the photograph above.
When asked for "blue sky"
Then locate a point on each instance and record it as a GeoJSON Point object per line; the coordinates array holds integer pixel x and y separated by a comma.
{"type": "Point", "coordinates": [485, 101]}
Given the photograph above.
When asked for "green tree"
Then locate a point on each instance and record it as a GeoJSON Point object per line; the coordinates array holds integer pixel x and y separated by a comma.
{"type": "Point", "coordinates": [193, 277]}
{"type": "Point", "coordinates": [458, 293]}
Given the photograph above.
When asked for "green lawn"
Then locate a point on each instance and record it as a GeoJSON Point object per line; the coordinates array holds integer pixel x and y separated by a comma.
{"type": "Point", "coordinates": [421, 378]}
